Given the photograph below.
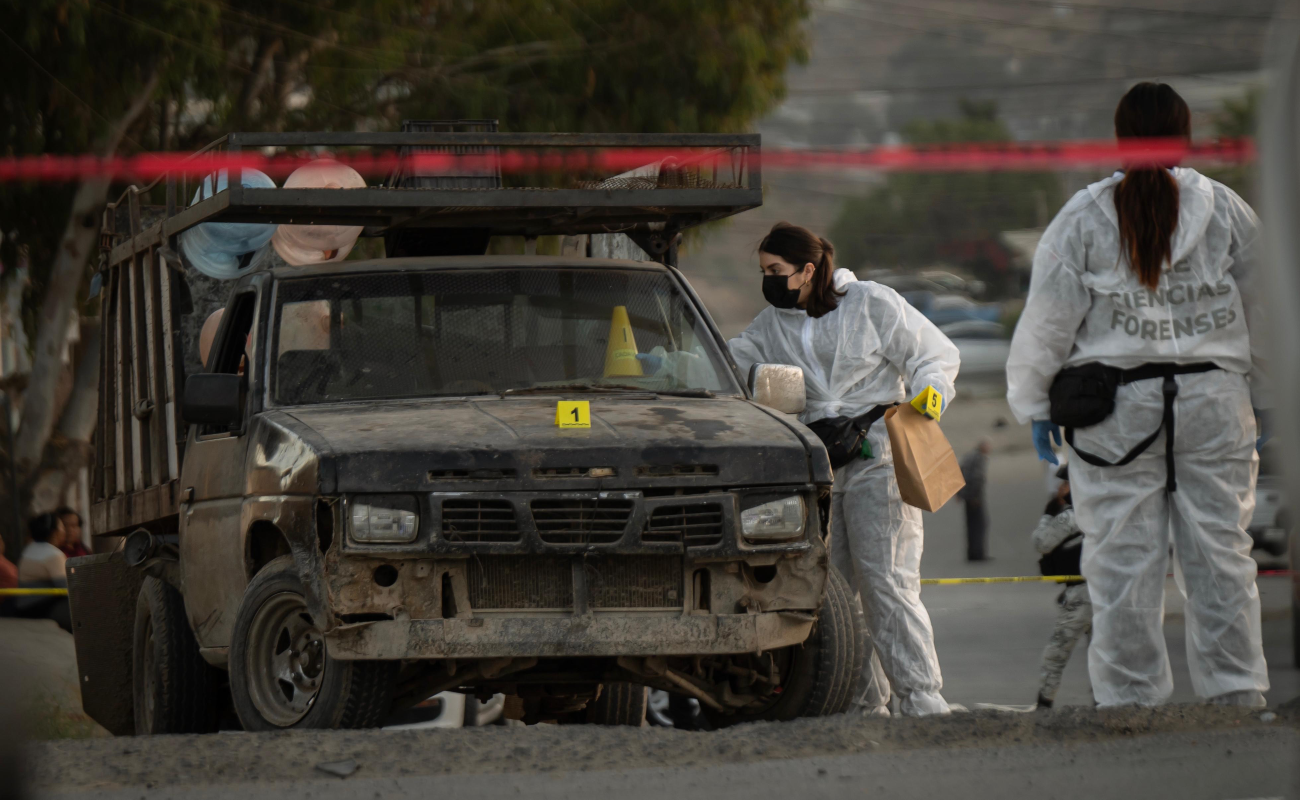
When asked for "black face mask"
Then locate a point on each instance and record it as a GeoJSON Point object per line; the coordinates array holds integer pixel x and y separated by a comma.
{"type": "Point", "coordinates": [777, 292]}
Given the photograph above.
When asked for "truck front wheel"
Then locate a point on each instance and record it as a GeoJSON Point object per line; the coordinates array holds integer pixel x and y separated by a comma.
{"type": "Point", "coordinates": [280, 675]}
{"type": "Point", "coordinates": [820, 676]}
{"type": "Point", "coordinates": [175, 690]}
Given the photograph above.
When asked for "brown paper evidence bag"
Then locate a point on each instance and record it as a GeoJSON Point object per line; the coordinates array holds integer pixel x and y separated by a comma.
{"type": "Point", "coordinates": [924, 463]}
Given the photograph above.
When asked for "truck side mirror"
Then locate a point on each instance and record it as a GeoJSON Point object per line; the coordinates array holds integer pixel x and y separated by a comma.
{"type": "Point", "coordinates": [215, 398]}
{"type": "Point", "coordinates": [778, 386]}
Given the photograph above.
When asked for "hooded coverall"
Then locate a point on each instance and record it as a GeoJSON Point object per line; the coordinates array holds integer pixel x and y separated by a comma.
{"type": "Point", "coordinates": [873, 349]}
{"type": "Point", "coordinates": [1087, 305]}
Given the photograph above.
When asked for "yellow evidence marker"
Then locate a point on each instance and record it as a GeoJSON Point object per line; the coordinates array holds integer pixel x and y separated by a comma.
{"type": "Point", "coordinates": [929, 403]}
{"type": "Point", "coordinates": [620, 353]}
{"type": "Point", "coordinates": [573, 414]}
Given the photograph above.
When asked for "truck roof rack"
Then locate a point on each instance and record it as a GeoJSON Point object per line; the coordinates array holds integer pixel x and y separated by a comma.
{"type": "Point", "coordinates": [719, 176]}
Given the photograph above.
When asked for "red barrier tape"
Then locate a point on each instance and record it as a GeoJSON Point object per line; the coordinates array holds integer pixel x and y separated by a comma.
{"type": "Point", "coordinates": [967, 157]}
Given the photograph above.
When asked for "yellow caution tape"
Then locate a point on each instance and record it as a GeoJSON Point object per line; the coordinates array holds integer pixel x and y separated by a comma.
{"type": "Point", "coordinates": [29, 592]}
{"type": "Point", "coordinates": [1017, 579]}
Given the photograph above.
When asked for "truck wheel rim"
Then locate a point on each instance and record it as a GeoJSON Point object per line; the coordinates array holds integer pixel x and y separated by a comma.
{"type": "Point", "coordinates": [286, 660]}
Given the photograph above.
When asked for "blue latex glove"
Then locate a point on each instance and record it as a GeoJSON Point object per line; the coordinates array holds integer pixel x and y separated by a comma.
{"type": "Point", "coordinates": [1265, 417]}
{"type": "Point", "coordinates": [1045, 433]}
{"type": "Point", "coordinates": [651, 362]}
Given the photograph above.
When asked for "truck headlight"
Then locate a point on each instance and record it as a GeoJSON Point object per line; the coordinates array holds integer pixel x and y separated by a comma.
{"type": "Point", "coordinates": [384, 518]}
{"type": "Point", "coordinates": [775, 520]}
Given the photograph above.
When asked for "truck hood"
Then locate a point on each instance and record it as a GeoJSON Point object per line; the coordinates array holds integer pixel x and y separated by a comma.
{"type": "Point", "coordinates": [492, 444]}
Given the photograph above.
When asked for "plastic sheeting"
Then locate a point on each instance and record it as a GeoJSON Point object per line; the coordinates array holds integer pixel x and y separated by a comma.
{"type": "Point", "coordinates": [221, 250]}
{"type": "Point", "coordinates": [317, 244]}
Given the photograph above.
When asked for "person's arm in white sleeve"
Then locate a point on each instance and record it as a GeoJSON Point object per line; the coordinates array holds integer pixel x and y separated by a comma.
{"type": "Point", "coordinates": [1052, 530]}
{"type": "Point", "coordinates": [1058, 301]}
{"type": "Point", "coordinates": [913, 344]}
{"type": "Point", "coordinates": [747, 348]}
{"type": "Point", "coordinates": [1245, 253]}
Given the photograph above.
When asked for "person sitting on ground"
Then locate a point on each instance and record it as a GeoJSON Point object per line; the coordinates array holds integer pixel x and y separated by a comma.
{"type": "Point", "coordinates": [72, 546]}
{"type": "Point", "coordinates": [42, 560]}
{"type": "Point", "coordinates": [42, 566]}
{"type": "Point", "coordinates": [1060, 541]}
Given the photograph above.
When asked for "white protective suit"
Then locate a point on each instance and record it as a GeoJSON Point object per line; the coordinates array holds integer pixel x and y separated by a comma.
{"type": "Point", "coordinates": [873, 349]}
{"type": "Point", "coordinates": [1086, 304]}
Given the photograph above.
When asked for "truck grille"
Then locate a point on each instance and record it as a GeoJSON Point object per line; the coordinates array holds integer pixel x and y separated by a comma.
{"type": "Point", "coordinates": [478, 521]}
{"type": "Point", "coordinates": [579, 521]}
{"type": "Point", "coordinates": [498, 583]}
{"type": "Point", "coordinates": [503, 582]}
{"type": "Point", "coordinates": [696, 525]}
{"type": "Point", "coordinates": [634, 582]}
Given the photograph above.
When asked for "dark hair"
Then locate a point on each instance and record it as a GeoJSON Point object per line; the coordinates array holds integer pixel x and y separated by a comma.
{"type": "Point", "coordinates": [42, 526]}
{"type": "Point", "coordinates": [1146, 200]}
{"type": "Point", "coordinates": [799, 246]}
{"type": "Point", "coordinates": [64, 511]}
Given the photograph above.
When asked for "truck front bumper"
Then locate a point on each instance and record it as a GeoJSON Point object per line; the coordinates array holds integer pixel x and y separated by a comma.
{"type": "Point", "coordinates": [613, 634]}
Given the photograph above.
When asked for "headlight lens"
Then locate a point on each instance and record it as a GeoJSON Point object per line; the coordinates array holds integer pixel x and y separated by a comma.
{"type": "Point", "coordinates": [384, 518]}
{"type": "Point", "coordinates": [774, 520]}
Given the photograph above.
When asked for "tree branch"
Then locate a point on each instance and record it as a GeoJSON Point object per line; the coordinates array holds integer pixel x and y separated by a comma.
{"type": "Point", "coordinates": [59, 305]}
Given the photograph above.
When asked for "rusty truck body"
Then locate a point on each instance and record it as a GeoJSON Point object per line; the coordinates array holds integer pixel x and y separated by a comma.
{"type": "Point", "coordinates": [365, 495]}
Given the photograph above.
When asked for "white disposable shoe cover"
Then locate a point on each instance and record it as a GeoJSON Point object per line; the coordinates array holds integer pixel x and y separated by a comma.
{"type": "Point", "coordinates": [217, 249]}
{"type": "Point", "coordinates": [317, 244]}
{"type": "Point", "coordinates": [924, 704]}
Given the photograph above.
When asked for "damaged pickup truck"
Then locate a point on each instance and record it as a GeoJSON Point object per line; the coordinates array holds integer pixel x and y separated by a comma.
{"type": "Point", "coordinates": [540, 476]}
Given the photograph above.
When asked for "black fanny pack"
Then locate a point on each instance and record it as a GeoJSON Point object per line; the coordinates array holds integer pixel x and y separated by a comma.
{"type": "Point", "coordinates": [1064, 559]}
{"type": "Point", "coordinates": [1084, 396]}
{"type": "Point", "coordinates": [843, 435]}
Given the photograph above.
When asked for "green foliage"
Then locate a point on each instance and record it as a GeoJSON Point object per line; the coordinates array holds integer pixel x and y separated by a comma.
{"type": "Point", "coordinates": [923, 219]}
{"type": "Point", "coordinates": [1238, 118]}
{"type": "Point", "coordinates": [543, 65]}
{"type": "Point", "coordinates": [72, 68]}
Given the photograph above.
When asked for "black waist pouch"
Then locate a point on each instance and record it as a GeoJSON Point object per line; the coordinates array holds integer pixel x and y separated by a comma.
{"type": "Point", "coordinates": [1084, 396]}
{"type": "Point", "coordinates": [843, 435]}
{"type": "Point", "coordinates": [1064, 560]}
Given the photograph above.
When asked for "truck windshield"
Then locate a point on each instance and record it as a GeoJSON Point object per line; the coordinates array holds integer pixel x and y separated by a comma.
{"type": "Point", "coordinates": [452, 332]}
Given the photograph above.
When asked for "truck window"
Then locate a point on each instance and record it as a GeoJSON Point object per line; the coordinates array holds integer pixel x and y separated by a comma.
{"type": "Point", "coordinates": [451, 332]}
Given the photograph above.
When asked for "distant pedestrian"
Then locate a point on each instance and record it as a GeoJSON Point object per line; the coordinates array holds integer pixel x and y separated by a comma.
{"type": "Point", "coordinates": [975, 469]}
{"type": "Point", "coordinates": [1060, 541]}
{"type": "Point", "coordinates": [72, 546]}
{"type": "Point", "coordinates": [42, 566]}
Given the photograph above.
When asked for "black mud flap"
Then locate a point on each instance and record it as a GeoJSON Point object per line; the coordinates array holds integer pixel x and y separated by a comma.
{"type": "Point", "coordinates": [102, 592]}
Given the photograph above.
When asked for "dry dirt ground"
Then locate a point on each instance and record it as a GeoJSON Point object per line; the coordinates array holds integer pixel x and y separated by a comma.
{"type": "Point", "coordinates": [256, 765]}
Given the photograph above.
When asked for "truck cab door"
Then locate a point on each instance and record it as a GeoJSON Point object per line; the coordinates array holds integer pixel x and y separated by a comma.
{"type": "Point", "coordinates": [213, 484]}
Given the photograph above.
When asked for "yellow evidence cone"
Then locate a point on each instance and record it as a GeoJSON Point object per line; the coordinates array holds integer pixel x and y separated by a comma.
{"type": "Point", "coordinates": [620, 355]}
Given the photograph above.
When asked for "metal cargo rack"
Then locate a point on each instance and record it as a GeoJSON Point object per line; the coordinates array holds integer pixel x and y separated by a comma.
{"type": "Point", "coordinates": [140, 436]}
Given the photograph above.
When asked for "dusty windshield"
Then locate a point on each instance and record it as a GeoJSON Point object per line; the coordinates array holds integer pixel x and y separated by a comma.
{"type": "Point", "coordinates": [389, 335]}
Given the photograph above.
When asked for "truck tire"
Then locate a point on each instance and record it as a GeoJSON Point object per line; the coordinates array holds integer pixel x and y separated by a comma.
{"type": "Point", "coordinates": [280, 675]}
{"type": "Point", "coordinates": [619, 704]}
{"type": "Point", "coordinates": [821, 675]}
{"type": "Point", "coordinates": [174, 689]}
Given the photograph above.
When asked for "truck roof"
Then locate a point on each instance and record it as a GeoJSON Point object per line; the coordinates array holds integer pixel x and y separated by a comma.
{"type": "Point", "coordinates": [419, 263]}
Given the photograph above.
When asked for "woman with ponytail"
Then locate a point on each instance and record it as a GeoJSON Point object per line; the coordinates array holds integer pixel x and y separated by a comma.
{"type": "Point", "coordinates": [1143, 336]}
{"type": "Point", "coordinates": [862, 348]}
